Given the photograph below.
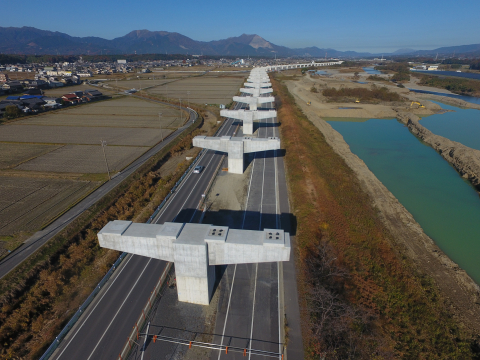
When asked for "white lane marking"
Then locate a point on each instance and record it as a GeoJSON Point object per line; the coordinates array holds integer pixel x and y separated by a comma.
{"type": "Point", "coordinates": [193, 188]}
{"type": "Point", "coordinates": [231, 289]}
{"type": "Point", "coordinates": [228, 309]}
{"type": "Point", "coordinates": [253, 313]}
{"type": "Point", "coordinates": [145, 342]}
{"type": "Point", "coordinates": [277, 206]}
{"type": "Point", "coordinates": [248, 193]}
{"type": "Point", "coordinates": [279, 319]}
{"type": "Point", "coordinates": [91, 312]}
{"type": "Point", "coordinates": [123, 303]}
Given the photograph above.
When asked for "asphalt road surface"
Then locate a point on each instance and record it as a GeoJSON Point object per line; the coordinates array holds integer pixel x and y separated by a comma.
{"type": "Point", "coordinates": [41, 237]}
{"type": "Point", "coordinates": [248, 313]}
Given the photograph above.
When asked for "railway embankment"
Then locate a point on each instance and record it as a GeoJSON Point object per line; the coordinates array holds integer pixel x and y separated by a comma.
{"type": "Point", "coordinates": [463, 158]}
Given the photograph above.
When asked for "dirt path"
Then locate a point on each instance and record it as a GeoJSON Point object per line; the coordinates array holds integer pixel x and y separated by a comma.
{"type": "Point", "coordinates": [462, 293]}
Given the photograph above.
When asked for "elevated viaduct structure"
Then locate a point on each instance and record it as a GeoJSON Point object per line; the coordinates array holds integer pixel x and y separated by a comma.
{"type": "Point", "coordinates": [298, 66]}
{"type": "Point", "coordinates": [248, 117]}
{"type": "Point", "coordinates": [196, 249]}
{"type": "Point", "coordinates": [236, 148]}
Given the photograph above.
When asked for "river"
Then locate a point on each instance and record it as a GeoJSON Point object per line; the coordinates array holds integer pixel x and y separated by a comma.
{"type": "Point", "coordinates": [371, 71]}
{"type": "Point", "coordinates": [445, 205]}
{"type": "Point", "coordinates": [462, 125]}
{"type": "Point", "coordinates": [470, 99]}
{"type": "Point", "coordinates": [450, 73]}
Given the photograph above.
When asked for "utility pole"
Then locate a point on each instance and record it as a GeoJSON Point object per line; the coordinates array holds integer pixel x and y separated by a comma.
{"type": "Point", "coordinates": [180, 110]}
{"type": "Point", "coordinates": [188, 98]}
{"type": "Point", "coordinates": [104, 143]}
{"type": "Point", "coordinates": [166, 86]}
{"type": "Point", "coordinates": [160, 119]}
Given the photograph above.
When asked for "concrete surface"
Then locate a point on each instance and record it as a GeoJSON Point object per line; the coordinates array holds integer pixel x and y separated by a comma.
{"type": "Point", "coordinates": [253, 101]}
{"type": "Point", "coordinates": [195, 249]}
{"type": "Point", "coordinates": [248, 117]}
{"type": "Point", "coordinates": [236, 148]}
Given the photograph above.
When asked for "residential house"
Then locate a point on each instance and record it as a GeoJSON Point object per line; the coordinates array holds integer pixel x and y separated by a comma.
{"type": "Point", "coordinates": [95, 94]}
{"type": "Point", "coordinates": [4, 78]}
{"type": "Point", "coordinates": [71, 99]}
{"type": "Point", "coordinates": [55, 84]}
{"type": "Point", "coordinates": [32, 103]}
{"type": "Point", "coordinates": [33, 92]}
{"type": "Point", "coordinates": [12, 86]}
{"type": "Point", "coordinates": [52, 102]}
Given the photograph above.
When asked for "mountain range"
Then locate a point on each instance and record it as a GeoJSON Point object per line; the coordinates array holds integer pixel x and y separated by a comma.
{"type": "Point", "coordinates": [29, 41]}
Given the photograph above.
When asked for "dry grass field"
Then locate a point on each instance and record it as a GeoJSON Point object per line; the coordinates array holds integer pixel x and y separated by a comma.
{"type": "Point", "coordinates": [125, 112]}
{"type": "Point", "coordinates": [142, 83]}
{"type": "Point", "coordinates": [203, 89]}
{"type": "Point", "coordinates": [12, 154]}
{"type": "Point", "coordinates": [27, 203]}
{"type": "Point", "coordinates": [69, 89]}
{"type": "Point", "coordinates": [80, 135]}
{"type": "Point", "coordinates": [84, 159]}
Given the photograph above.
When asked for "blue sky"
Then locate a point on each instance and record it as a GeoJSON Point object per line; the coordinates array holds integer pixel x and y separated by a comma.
{"type": "Point", "coordinates": [368, 25]}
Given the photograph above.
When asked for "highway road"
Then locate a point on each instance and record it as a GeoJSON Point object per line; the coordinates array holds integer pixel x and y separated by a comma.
{"type": "Point", "coordinates": [103, 329]}
{"type": "Point", "coordinates": [249, 310]}
{"type": "Point", "coordinates": [41, 237]}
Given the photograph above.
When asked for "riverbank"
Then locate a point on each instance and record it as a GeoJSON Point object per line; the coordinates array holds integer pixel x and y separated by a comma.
{"type": "Point", "coordinates": [463, 158]}
{"type": "Point", "coordinates": [462, 292]}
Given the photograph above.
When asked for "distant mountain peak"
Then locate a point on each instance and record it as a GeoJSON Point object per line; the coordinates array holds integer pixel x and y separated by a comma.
{"type": "Point", "coordinates": [259, 42]}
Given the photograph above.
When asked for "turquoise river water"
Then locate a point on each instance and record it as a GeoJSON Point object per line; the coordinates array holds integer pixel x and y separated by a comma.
{"type": "Point", "coordinates": [446, 206]}
{"type": "Point", "coordinates": [462, 125]}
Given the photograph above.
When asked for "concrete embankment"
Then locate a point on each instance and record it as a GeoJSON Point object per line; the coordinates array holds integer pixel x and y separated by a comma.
{"type": "Point", "coordinates": [463, 158]}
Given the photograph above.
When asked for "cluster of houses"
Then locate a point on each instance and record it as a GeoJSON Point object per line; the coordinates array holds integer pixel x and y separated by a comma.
{"type": "Point", "coordinates": [34, 101]}
{"type": "Point", "coordinates": [8, 86]}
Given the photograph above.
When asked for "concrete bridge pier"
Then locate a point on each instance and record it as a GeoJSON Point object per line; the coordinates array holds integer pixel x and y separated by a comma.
{"type": "Point", "coordinates": [236, 148]}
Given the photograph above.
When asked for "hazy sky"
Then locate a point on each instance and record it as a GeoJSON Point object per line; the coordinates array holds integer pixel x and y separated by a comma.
{"type": "Point", "coordinates": [368, 25]}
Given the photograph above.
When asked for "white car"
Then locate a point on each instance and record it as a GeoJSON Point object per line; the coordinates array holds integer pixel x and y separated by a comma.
{"type": "Point", "coordinates": [198, 169]}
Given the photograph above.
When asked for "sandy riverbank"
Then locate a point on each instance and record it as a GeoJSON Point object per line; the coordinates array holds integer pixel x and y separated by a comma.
{"type": "Point", "coordinates": [462, 293]}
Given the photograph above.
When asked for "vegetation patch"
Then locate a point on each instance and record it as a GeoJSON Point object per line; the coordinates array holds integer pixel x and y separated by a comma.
{"type": "Point", "coordinates": [377, 78]}
{"type": "Point", "coordinates": [359, 299]}
{"type": "Point", "coordinates": [456, 85]}
{"type": "Point", "coordinates": [400, 70]}
{"type": "Point", "coordinates": [374, 95]}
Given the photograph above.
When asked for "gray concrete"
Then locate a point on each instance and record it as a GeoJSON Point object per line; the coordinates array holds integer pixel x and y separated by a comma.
{"type": "Point", "coordinates": [195, 249]}
{"type": "Point", "coordinates": [256, 91]}
{"type": "Point", "coordinates": [236, 148]}
{"type": "Point", "coordinates": [253, 101]}
{"type": "Point", "coordinates": [248, 117]}
{"type": "Point", "coordinates": [258, 84]}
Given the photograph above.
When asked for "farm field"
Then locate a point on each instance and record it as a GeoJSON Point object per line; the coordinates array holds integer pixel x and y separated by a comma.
{"type": "Point", "coordinates": [123, 112]}
{"type": "Point", "coordinates": [84, 159]}
{"type": "Point", "coordinates": [12, 154]}
{"type": "Point", "coordinates": [143, 83]}
{"type": "Point", "coordinates": [203, 89]}
{"type": "Point", "coordinates": [48, 160]}
{"type": "Point", "coordinates": [69, 89]}
{"type": "Point", "coordinates": [80, 135]}
{"type": "Point", "coordinates": [26, 203]}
